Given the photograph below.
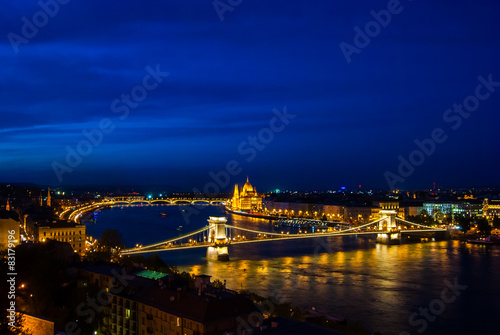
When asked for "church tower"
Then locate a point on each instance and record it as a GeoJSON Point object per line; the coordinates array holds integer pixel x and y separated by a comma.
{"type": "Point", "coordinates": [7, 207]}
{"type": "Point", "coordinates": [49, 201]}
{"type": "Point", "coordinates": [235, 202]}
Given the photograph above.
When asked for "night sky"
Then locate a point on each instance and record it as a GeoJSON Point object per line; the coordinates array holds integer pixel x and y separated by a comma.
{"type": "Point", "coordinates": [299, 94]}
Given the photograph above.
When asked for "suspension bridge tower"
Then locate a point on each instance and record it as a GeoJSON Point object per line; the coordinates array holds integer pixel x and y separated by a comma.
{"type": "Point", "coordinates": [389, 226]}
{"type": "Point", "coordinates": [218, 237]}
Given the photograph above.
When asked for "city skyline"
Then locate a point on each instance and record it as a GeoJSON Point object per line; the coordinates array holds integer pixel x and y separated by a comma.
{"type": "Point", "coordinates": [293, 95]}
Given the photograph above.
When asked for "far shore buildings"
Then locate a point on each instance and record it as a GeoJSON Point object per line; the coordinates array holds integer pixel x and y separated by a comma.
{"type": "Point", "coordinates": [363, 213]}
{"type": "Point", "coordinates": [247, 199]}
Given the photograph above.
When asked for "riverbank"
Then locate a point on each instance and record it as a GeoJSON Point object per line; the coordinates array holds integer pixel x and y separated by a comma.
{"type": "Point", "coordinates": [252, 215]}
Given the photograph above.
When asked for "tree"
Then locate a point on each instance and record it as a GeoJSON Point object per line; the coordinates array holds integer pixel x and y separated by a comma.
{"type": "Point", "coordinates": [496, 222]}
{"type": "Point", "coordinates": [218, 284]}
{"type": "Point", "coordinates": [423, 218]}
{"type": "Point", "coordinates": [111, 238]}
{"type": "Point", "coordinates": [464, 223]}
{"type": "Point", "coordinates": [448, 219]}
{"type": "Point", "coordinates": [483, 226]}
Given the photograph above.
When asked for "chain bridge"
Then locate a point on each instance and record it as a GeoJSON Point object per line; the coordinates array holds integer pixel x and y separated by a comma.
{"type": "Point", "coordinates": [217, 236]}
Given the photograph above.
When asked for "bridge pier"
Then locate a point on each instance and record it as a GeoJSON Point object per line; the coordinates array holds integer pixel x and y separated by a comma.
{"type": "Point", "coordinates": [217, 253]}
{"type": "Point", "coordinates": [389, 238]}
{"type": "Point", "coordinates": [217, 235]}
{"type": "Point", "coordinates": [388, 224]}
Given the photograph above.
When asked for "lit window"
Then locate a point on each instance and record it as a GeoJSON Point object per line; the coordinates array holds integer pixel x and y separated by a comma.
{"type": "Point", "coordinates": [178, 322]}
{"type": "Point", "coordinates": [127, 313]}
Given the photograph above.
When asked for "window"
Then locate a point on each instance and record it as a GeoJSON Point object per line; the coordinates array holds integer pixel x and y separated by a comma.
{"type": "Point", "coordinates": [127, 313]}
{"type": "Point", "coordinates": [178, 322]}
{"type": "Point", "coordinates": [44, 234]}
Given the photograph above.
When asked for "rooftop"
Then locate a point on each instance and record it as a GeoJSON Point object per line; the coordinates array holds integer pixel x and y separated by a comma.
{"type": "Point", "coordinates": [203, 307]}
{"type": "Point", "coordinates": [151, 274]}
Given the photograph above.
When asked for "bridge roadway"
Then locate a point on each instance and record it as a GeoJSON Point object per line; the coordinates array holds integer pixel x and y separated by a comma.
{"type": "Point", "coordinates": [262, 236]}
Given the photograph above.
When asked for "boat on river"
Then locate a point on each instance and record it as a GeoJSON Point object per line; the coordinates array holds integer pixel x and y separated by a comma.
{"type": "Point", "coordinates": [493, 239]}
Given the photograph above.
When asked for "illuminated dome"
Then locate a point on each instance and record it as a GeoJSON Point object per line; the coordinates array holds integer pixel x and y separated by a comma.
{"type": "Point", "coordinates": [247, 187]}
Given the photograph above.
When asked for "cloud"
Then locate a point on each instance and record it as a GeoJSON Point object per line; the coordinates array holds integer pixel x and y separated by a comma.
{"type": "Point", "coordinates": [226, 77]}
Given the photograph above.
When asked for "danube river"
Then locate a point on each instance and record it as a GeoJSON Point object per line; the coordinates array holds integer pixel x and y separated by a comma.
{"type": "Point", "coordinates": [446, 287]}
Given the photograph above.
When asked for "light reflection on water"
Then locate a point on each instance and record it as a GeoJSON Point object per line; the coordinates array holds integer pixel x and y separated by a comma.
{"type": "Point", "coordinates": [379, 285]}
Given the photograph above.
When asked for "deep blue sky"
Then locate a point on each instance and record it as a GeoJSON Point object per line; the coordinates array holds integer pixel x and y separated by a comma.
{"type": "Point", "coordinates": [225, 78]}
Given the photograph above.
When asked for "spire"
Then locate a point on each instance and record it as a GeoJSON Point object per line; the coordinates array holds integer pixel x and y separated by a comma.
{"type": "Point", "coordinates": [236, 191]}
{"type": "Point", "coordinates": [7, 207]}
{"type": "Point", "coordinates": [247, 180]}
{"type": "Point", "coordinates": [49, 202]}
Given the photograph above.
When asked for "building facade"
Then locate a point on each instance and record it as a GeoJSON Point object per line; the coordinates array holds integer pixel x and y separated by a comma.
{"type": "Point", "coordinates": [9, 230]}
{"type": "Point", "coordinates": [63, 231]}
{"type": "Point", "coordinates": [358, 214]}
{"type": "Point", "coordinates": [150, 307]}
{"type": "Point", "coordinates": [334, 212]}
{"type": "Point", "coordinates": [491, 208]}
{"type": "Point", "coordinates": [441, 210]}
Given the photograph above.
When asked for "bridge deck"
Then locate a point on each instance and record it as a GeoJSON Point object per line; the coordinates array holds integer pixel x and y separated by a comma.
{"type": "Point", "coordinates": [169, 244]}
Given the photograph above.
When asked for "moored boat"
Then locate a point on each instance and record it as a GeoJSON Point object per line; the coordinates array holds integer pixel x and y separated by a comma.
{"type": "Point", "coordinates": [484, 241]}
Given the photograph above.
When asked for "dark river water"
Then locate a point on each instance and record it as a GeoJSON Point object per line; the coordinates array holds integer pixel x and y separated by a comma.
{"type": "Point", "coordinates": [446, 287]}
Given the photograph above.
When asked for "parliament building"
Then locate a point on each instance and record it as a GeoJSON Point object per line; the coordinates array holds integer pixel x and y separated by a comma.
{"type": "Point", "coordinates": [246, 200]}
